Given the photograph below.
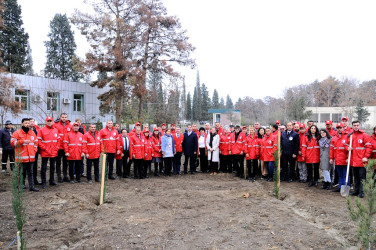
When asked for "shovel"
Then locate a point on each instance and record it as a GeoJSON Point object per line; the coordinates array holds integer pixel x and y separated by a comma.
{"type": "Point", "coordinates": [345, 189]}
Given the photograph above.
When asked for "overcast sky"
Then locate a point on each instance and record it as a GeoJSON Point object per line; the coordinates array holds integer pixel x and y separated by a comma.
{"type": "Point", "coordinates": [252, 48]}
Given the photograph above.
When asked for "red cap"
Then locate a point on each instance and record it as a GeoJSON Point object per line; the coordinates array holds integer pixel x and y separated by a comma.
{"type": "Point", "coordinates": [301, 125]}
{"type": "Point", "coordinates": [163, 124]}
{"type": "Point", "coordinates": [329, 122]}
{"type": "Point", "coordinates": [49, 118]}
{"type": "Point", "coordinates": [145, 131]}
{"type": "Point", "coordinates": [173, 124]}
{"type": "Point", "coordinates": [345, 118]}
{"type": "Point", "coordinates": [156, 129]}
{"type": "Point", "coordinates": [137, 124]}
{"type": "Point", "coordinates": [244, 127]}
{"type": "Point", "coordinates": [75, 124]}
{"type": "Point", "coordinates": [277, 122]}
{"type": "Point", "coordinates": [340, 124]}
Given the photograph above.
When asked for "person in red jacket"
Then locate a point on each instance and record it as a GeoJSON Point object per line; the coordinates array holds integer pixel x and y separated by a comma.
{"type": "Point", "coordinates": [35, 128]}
{"type": "Point", "coordinates": [157, 152]}
{"type": "Point", "coordinates": [163, 129]}
{"type": "Point", "coordinates": [338, 155]}
{"type": "Point", "coordinates": [301, 163]}
{"type": "Point", "coordinates": [73, 151]}
{"type": "Point", "coordinates": [178, 138]}
{"type": "Point", "coordinates": [64, 127]}
{"type": "Point", "coordinates": [268, 147]}
{"type": "Point", "coordinates": [373, 142]}
{"type": "Point", "coordinates": [329, 128]}
{"type": "Point", "coordinates": [173, 128]}
{"type": "Point", "coordinates": [311, 154]}
{"type": "Point", "coordinates": [119, 154]}
{"type": "Point", "coordinates": [110, 146]}
{"type": "Point", "coordinates": [252, 153]}
{"type": "Point", "coordinates": [225, 151]}
{"type": "Point", "coordinates": [217, 126]}
{"type": "Point", "coordinates": [48, 143]}
{"type": "Point", "coordinates": [237, 147]}
{"type": "Point", "coordinates": [137, 153]}
{"type": "Point", "coordinates": [148, 151]}
{"type": "Point", "coordinates": [361, 151]}
{"type": "Point", "coordinates": [91, 146]}
{"type": "Point", "coordinates": [25, 143]}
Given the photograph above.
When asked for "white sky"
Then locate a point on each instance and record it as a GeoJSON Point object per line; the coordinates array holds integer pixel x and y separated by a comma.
{"type": "Point", "coordinates": [252, 48]}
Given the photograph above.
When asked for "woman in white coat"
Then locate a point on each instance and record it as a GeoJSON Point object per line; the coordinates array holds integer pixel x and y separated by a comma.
{"type": "Point", "coordinates": [212, 145]}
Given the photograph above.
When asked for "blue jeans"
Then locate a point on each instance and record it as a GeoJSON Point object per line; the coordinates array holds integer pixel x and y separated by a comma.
{"type": "Point", "coordinates": [341, 170]}
{"type": "Point", "coordinates": [270, 165]}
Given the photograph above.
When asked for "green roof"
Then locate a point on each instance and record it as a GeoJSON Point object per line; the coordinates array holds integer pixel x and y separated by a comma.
{"type": "Point", "coordinates": [223, 111]}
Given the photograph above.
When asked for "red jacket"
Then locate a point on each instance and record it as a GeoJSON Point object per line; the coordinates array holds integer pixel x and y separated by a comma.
{"type": "Point", "coordinates": [311, 150]}
{"type": "Point", "coordinates": [120, 147]}
{"type": "Point", "coordinates": [252, 147]}
{"type": "Point", "coordinates": [332, 132]}
{"type": "Point", "coordinates": [91, 145]}
{"type": "Point", "coordinates": [178, 142]}
{"type": "Point", "coordinates": [73, 145]}
{"type": "Point", "coordinates": [338, 150]}
{"type": "Point", "coordinates": [220, 132]}
{"type": "Point", "coordinates": [109, 139]}
{"type": "Point", "coordinates": [24, 152]}
{"type": "Point", "coordinates": [48, 141]}
{"type": "Point", "coordinates": [156, 143]}
{"type": "Point", "coordinates": [268, 147]}
{"type": "Point", "coordinates": [237, 146]}
{"type": "Point", "coordinates": [373, 142]}
{"type": "Point", "coordinates": [225, 144]}
{"type": "Point", "coordinates": [362, 148]}
{"type": "Point", "coordinates": [63, 130]}
{"type": "Point", "coordinates": [136, 149]}
{"type": "Point", "coordinates": [299, 158]}
{"type": "Point", "coordinates": [148, 148]}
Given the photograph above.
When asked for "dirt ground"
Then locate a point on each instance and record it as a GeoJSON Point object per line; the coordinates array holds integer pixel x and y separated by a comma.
{"type": "Point", "coordinates": [180, 212]}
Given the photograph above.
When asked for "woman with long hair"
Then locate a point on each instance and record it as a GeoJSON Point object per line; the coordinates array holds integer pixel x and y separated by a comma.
{"type": "Point", "coordinates": [324, 143]}
{"type": "Point", "coordinates": [263, 169]}
{"type": "Point", "coordinates": [311, 155]}
{"type": "Point", "coordinates": [157, 152]}
{"type": "Point", "coordinates": [212, 145]}
{"type": "Point", "coordinates": [202, 151]}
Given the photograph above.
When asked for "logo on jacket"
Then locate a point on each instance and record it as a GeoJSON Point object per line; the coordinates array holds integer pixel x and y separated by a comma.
{"type": "Point", "coordinates": [80, 138]}
{"type": "Point", "coordinates": [68, 129]}
{"type": "Point", "coordinates": [98, 138]}
{"type": "Point", "coordinates": [270, 142]}
{"type": "Point", "coordinates": [343, 141]}
{"type": "Point", "coordinates": [360, 141]}
{"type": "Point", "coordinates": [55, 135]}
{"type": "Point", "coordinates": [114, 133]}
{"type": "Point", "coordinates": [32, 137]}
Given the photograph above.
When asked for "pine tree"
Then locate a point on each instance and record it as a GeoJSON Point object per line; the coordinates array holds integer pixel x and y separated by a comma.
{"type": "Point", "coordinates": [205, 106]}
{"type": "Point", "coordinates": [29, 61]}
{"type": "Point", "coordinates": [188, 107]}
{"type": "Point", "coordinates": [229, 104]}
{"type": "Point", "coordinates": [13, 39]}
{"type": "Point", "coordinates": [183, 101]}
{"type": "Point", "coordinates": [61, 51]}
{"type": "Point", "coordinates": [195, 112]}
{"type": "Point", "coordinates": [361, 112]}
{"type": "Point", "coordinates": [215, 100]}
{"type": "Point", "coordinates": [222, 103]}
{"type": "Point", "coordinates": [197, 104]}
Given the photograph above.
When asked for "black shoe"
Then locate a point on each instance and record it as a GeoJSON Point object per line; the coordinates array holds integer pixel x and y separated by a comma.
{"type": "Point", "coordinates": [141, 177]}
{"type": "Point", "coordinates": [60, 180]}
{"type": "Point", "coordinates": [336, 190]}
{"type": "Point", "coordinates": [241, 176]}
{"type": "Point", "coordinates": [72, 182]}
{"type": "Point", "coordinates": [329, 186]}
{"type": "Point", "coordinates": [147, 176]}
{"type": "Point", "coordinates": [111, 177]}
{"type": "Point", "coordinates": [96, 180]}
{"type": "Point", "coordinates": [361, 195]}
{"type": "Point", "coordinates": [304, 181]}
{"type": "Point", "coordinates": [34, 189]}
{"type": "Point", "coordinates": [127, 176]}
{"type": "Point", "coordinates": [66, 179]}
{"type": "Point", "coordinates": [325, 185]}
{"type": "Point", "coordinates": [290, 180]}
{"type": "Point", "coordinates": [23, 186]}
{"type": "Point", "coordinates": [53, 183]}
{"type": "Point", "coordinates": [135, 177]}
{"type": "Point", "coordinates": [43, 185]}
{"type": "Point", "coordinates": [310, 184]}
{"type": "Point", "coordinates": [355, 193]}
{"type": "Point", "coordinates": [78, 181]}
{"type": "Point", "coordinates": [185, 173]}
{"type": "Point", "coordinates": [316, 183]}
{"type": "Point", "coordinates": [36, 182]}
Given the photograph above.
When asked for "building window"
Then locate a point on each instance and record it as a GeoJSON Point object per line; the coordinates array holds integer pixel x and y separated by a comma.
{"type": "Point", "coordinates": [336, 117]}
{"type": "Point", "coordinates": [78, 102]}
{"type": "Point", "coordinates": [324, 117]}
{"type": "Point", "coordinates": [53, 101]}
{"type": "Point", "coordinates": [315, 117]}
{"type": "Point", "coordinates": [22, 97]}
{"type": "Point", "coordinates": [218, 118]}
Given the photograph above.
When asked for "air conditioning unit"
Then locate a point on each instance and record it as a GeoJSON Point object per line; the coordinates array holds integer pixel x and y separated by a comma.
{"type": "Point", "coordinates": [66, 100]}
{"type": "Point", "coordinates": [38, 98]}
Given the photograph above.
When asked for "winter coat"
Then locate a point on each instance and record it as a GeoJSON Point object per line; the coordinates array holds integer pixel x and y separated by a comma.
{"type": "Point", "coordinates": [164, 144]}
{"type": "Point", "coordinates": [237, 146]}
{"type": "Point", "coordinates": [120, 147]}
{"type": "Point", "coordinates": [73, 145]}
{"type": "Point", "coordinates": [290, 144]}
{"type": "Point", "coordinates": [225, 144]}
{"type": "Point", "coordinates": [178, 142]}
{"type": "Point", "coordinates": [148, 148]}
{"type": "Point", "coordinates": [362, 148]}
{"type": "Point", "coordinates": [213, 156]}
{"type": "Point", "coordinates": [136, 149]}
{"type": "Point", "coordinates": [301, 140]}
{"type": "Point", "coordinates": [156, 144]}
{"type": "Point", "coordinates": [5, 135]}
{"type": "Point", "coordinates": [24, 152]}
{"type": "Point", "coordinates": [268, 147]}
{"type": "Point", "coordinates": [190, 144]}
{"type": "Point", "coordinates": [324, 153]}
{"type": "Point", "coordinates": [91, 145]}
{"type": "Point", "coordinates": [109, 139]}
{"type": "Point", "coordinates": [48, 141]}
{"type": "Point", "coordinates": [63, 130]}
{"type": "Point", "coordinates": [252, 147]}
{"type": "Point", "coordinates": [310, 150]}
{"type": "Point", "coordinates": [338, 150]}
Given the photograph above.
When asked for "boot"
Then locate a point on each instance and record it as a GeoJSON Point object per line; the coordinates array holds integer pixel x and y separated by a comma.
{"type": "Point", "coordinates": [310, 184]}
{"type": "Point", "coordinates": [325, 185]}
{"type": "Point", "coordinates": [329, 186]}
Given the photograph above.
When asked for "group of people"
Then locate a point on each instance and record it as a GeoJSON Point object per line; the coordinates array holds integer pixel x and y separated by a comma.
{"type": "Point", "coordinates": [217, 149]}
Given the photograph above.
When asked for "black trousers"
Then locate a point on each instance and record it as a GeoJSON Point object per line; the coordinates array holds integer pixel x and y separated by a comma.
{"type": "Point", "coordinates": [313, 167]}
{"type": "Point", "coordinates": [138, 167]}
{"type": "Point", "coordinates": [226, 164]}
{"type": "Point", "coordinates": [203, 161]}
{"type": "Point", "coordinates": [359, 176]}
{"type": "Point", "coordinates": [238, 164]}
{"type": "Point", "coordinates": [44, 169]}
{"type": "Point", "coordinates": [89, 163]}
{"type": "Point", "coordinates": [177, 162]}
{"type": "Point", "coordinates": [288, 167]}
{"type": "Point", "coordinates": [27, 168]}
{"type": "Point", "coordinates": [122, 166]}
{"type": "Point", "coordinates": [168, 165]}
{"type": "Point", "coordinates": [147, 164]}
{"type": "Point", "coordinates": [61, 157]}
{"type": "Point", "coordinates": [75, 164]}
{"type": "Point", "coordinates": [213, 166]}
{"type": "Point", "coordinates": [252, 168]}
{"type": "Point", "coordinates": [192, 161]}
{"type": "Point", "coordinates": [35, 167]}
{"type": "Point", "coordinates": [110, 162]}
{"type": "Point", "coordinates": [7, 153]}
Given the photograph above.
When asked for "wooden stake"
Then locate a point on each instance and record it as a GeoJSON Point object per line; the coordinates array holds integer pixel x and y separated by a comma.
{"type": "Point", "coordinates": [18, 241]}
{"type": "Point", "coordinates": [279, 164]}
{"type": "Point", "coordinates": [103, 179]}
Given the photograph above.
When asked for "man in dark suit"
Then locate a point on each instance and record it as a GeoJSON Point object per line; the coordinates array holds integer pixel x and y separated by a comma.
{"type": "Point", "coordinates": [190, 150]}
{"type": "Point", "coordinates": [290, 148]}
{"type": "Point", "coordinates": [125, 164]}
{"type": "Point", "coordinates": [6, 150]}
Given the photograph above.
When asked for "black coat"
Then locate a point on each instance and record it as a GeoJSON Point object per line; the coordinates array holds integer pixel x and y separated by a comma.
{"type": "Point", "coordinates": [290, 144]}
{"type": "Point", "coordinates": [190, 144]}
{"type": "Point", "coordinates": [5, 139]}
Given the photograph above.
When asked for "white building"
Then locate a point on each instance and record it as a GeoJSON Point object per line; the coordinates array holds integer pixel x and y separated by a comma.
{"type": "Point", "coordinates": [40, 97]}
{"type": "Point", "coordinates": [322, 114]}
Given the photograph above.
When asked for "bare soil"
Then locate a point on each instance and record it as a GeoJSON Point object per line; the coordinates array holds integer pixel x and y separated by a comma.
{"type": "Point", "coordinates": [180, 212]}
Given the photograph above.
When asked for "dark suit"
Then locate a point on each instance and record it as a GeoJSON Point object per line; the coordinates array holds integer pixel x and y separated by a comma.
{"type": "Point", "coordinates": [290, 146]}
{"type": "Point", "coordinates": [123, 166]}
{"type": "Point", "coordinates": [190, 145]}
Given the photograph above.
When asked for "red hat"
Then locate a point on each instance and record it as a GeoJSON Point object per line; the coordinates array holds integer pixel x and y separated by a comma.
{"type": "Point", "coordinates": [244, 127]}
{"type": "Point", "coordinates": [137, 124]}
{"type": "Point", "coordinates": [145, 131]}
{"type": "Point", "coordinates": [163, 124]}
{"type": "Point", "coordinates": [340, 124]}
{"type": "Point", "coordinates": [173, 124]}
{"type": "Point", "coordinates": [344, 118]}
{"type": "Point", "coordinates": [156, 129]}
{"type": "Point", "coordinates": [328, 122]}
{"type": "Point", "coordinates": [301, 125]}
{"type": "Point", "coordinates": [75, 124]}
{"type": "Point", "coordinates": [49, 118]}
{"type": "Point", "coordinates": [277, 122]}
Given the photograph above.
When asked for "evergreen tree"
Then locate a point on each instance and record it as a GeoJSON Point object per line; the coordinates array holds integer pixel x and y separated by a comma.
{"type": "Point", "coordinates": [229, 104]}
{"type": "Point", "coordinates": [29, 61]}
{"type": "Point", "coordinates": [188, 107]}
{"type": "Point", "coordinates": [61, 51]}
{"type": "Point", "coordinates": [222, 103]}
{"type": "Point", "coordinates": [205, 106]}
{"type": "Point", "coordinates": [197, 104]}
{"type": "Point", "coordinates": [154, 80]}
{"type": "Point", "coordinates": [183, 102]}
{"type": "Point", "coordinates": [361, 112]}
{"type": "Point", "coordinates": [13, 39]}
{"type": "Point", "coordinates": [195, 111]}
{"type": "Point", "coordinates": [215, 100]}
